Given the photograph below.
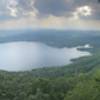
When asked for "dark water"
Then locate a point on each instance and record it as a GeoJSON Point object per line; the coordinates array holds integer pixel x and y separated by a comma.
{"type": "Point", "coordinates": [20, 56]}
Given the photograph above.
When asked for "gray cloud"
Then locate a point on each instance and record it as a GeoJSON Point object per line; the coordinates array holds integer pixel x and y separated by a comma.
{"type": "Point", "coordinates": [60, 7]}
{"type": "Point", "coordinates": [54, 7]}
{"type": "Point", "coordinates": [49, 7]}
{"type": "Point", "coordinates": [25, 4]}
{"type": "Point", "coordinates": [66, 7]}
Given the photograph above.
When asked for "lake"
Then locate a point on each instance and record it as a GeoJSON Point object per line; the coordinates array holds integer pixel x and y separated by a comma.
{"type": "Point", "coordinates": [21, 56]}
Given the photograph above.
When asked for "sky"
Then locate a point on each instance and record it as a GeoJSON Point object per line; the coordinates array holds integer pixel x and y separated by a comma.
{"type": "Point", "coordinates": [50, 14]}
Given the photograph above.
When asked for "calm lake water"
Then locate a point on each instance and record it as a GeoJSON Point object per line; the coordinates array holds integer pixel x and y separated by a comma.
{"type": "Point", "coordinates": [21, 56]}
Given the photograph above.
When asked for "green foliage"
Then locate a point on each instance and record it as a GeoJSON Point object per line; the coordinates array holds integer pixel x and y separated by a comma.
{"type": "Point", "coordinates": [23, 87]}
{"type": "Point", "coordinates": [84, 91]}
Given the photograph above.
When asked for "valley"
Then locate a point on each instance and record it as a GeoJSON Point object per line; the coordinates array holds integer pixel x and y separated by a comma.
{"type": "Point", "coordinates": [55, 83]}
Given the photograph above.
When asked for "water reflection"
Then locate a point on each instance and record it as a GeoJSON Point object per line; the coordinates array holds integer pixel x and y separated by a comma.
{"type": "Point", "coordinates": [17, 56]}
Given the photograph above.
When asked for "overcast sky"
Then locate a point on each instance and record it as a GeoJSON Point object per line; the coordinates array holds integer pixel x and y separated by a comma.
{"type": "Point", "coordinates": [57, 14]}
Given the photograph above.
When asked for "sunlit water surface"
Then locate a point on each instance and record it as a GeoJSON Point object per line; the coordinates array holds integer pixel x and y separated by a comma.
{"type": "Point", "coordinates": [21, 56]}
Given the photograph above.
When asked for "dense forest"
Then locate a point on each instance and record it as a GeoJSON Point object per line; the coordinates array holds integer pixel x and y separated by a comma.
{"type": "Point", "coordinates": [23, 87]}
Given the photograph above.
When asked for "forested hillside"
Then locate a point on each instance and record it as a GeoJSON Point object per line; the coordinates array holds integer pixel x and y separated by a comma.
{"type": "Point", "coordinates": [23, 87]}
